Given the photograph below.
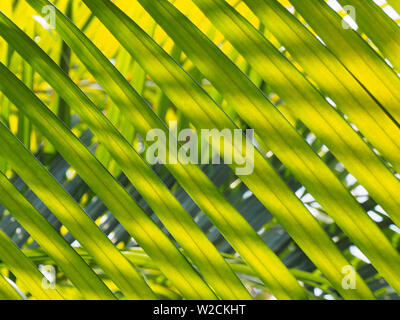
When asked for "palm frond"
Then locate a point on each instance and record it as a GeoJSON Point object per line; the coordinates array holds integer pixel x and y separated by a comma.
{"type": "Point", "coordinates": [77, 192]}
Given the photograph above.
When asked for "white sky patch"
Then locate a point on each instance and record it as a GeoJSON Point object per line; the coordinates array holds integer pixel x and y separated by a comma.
{"type": "Point", "coordinates": [389, 63]}
{"type": "Point", "coordinates": [311, 138]}
{"type": "Point", "coordinates": [317, 291]}
{"type": "Point", "coordinates": [362, 199]}
{"type": "Point", "coordinates": [70, 174]}
{"type": "Point", "coordinates": [388, 9]}
{"type": "Point", "coordinates": [359, 191]}
{"type": "Point", "coordinates": [324, 148]}
{"type": "Point", "coordinates": [339, 167]}
{"type": "Point", "coordinates": [300, 192]}
{"type": "Point", "coordinates": [394, 228]}
{"type": "Point", "coordinates": [354, 126]}
{"type": "Point", "coordinates": [269, 154]}
{"type": "Point", "coordinates": [320, 40]}
{"type": "Point", "coordinates": [318, 214]}
{"type": "Point", "coordinates": [111, 236]}
{"type": "Point", "coordinates": [350, 22]}
{"type": "Point", "coordinates": [290, 9]}
{"type": "Point", "coordinates": [357, 253]}
{"type": "Point", "coordinates": [391, 12]}
{"type": "Point", "coordinates": [350, 179]}
{"type": "Point", "coordinates": [247, 194]}
{"type": "Point", "coordinates": [330, 101]}
{"type": "Point", "coordinates": [103, 219]}
{"type": "Point", "coordinates": [374, 216]}
{"type": "Point", "coordinates": [379, 209]}
{"type": "Point", "coordinates": [261, 231]}
{"type": "Point", "coordinates": [308, 198]}
{"type": "Point", "coordinates": [334, 5]}
{"type": "Point", "coordinates": [234, 184]}
{"type": "Point", "coordinates": [75, 244]}
{"type": "Point", "coordinates": [42, 22]}
{"type": "Point", "coordinates": [140, 147]}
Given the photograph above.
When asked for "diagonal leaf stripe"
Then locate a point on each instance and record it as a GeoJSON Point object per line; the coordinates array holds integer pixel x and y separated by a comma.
{"type": "Point", "coordinates": [178, 222]}
{"type": "Point", "coordinates": [308, 105]}
{"type": "Point", "coordinates": [178, 99]}
{"type": "Point", "coordinates": [232, 225]}
{"type": "Point", "coordinates": [109, 190]}
{"type": "Point", "coordinates": [201, 117]}
{"type": "Point", "coordinates": [382, 30]}
{"type": "Point", "coordinates": [71, 214]}
{"type": "Point", "coordinates": [69, 261]}
{"type": "Point", "coordinates": [169, 18]}
{"type": "Point", "coordinates": [370, 69]}
{"type": "Point", "coordinates": [25, 269]}
{"type": "Point", "coordinates": [7, 292]}
{"type": "Point", "coordinates": [195, 46]}
{"type": "Point", "coordinates": [332, 77]}
{"type": "Point", "coordinates": [141, 260]}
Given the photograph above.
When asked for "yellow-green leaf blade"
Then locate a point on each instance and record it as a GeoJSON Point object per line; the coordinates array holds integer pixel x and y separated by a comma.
{"type": "Point", "coordinates": [70, 262]}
